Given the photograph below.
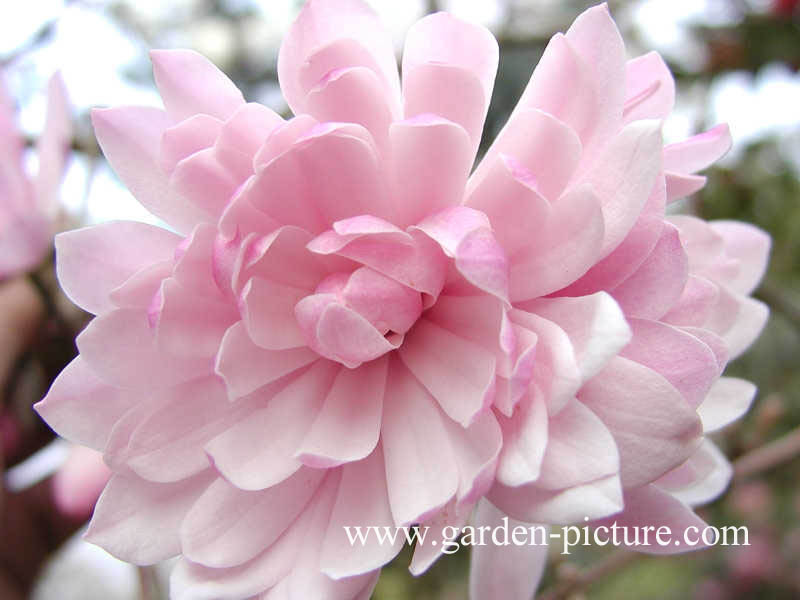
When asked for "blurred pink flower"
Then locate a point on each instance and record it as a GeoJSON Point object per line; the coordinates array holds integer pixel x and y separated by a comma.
{"type": "Point", "coordinates": [28, 205]}
{"type": "Point", "coordinates": [349, 328]}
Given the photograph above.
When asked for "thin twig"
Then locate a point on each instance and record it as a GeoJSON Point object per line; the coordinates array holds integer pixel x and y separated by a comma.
{"type": "Point", "coordinates": [768, 456]}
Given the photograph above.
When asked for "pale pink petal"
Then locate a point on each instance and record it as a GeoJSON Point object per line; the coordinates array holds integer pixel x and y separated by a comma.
{"type": "Point", "coordinates": [445, 41]}
{"type": "Point", "coordinates": [79, 482]}
{"type": "Point", "coordinates": [556, 371]}
{"type": "Point", "coordinates": [531, 504]}
{"type": "Point", "coordinates": [138, 521]}
{"type": "Point", "coordinates": [421, 470]}
{"type": "Point", "coordinates": [751, 318]}
{"type": "Point", "coordinates": [654, 427]}
{"type": "Point", "coordinates": [268, 314]}
{"type": "Point", "coordinates": [190, 84]}
{"type": "Point", "coordinates": [130, 138]}
{"type": "Point", "coordinates": [700, 479]}
{"type": "Point", "coordinates": [347, 426]}
{"type": "Point", "coordinates": [187, 137]}
{"type": "Point", "coordinates": [698, 152]}
{"type": "Point", "coordinates": [649, 88]}
{"type": "Point", "coordinates": [206, 182]}
{"type": "Point", "coordinates": [334, 35]}
{"type": "Point", "coordinates": [282, 137]}
{"type": "Point", "coordinates": [457, 372]}
{"type": "Point", "coordinates": [442, 529]}
{"type": "Point", "coordinates": [652, 508]}
{"type": "Point", "coordinates": [659, 282]}
{"type": "Point", "coordinates": [119, 346]}
{"type": "Point", "coordinates": [362, 498]}
{"type": "Point", "coordinates": [52, 147]}
{"type": "Point", "coordinates": [680, 186]}
{"type": "Point", "coordinates": [510, 571]}
{"type": "Point", "coordinates": [623, 177]}
{"type": "Point", "coordinates": [580, 449]}
{"type": "Point", "coordinates": [750, 246]}
{"type": "Point", "coordinates": [728, 400]}
{"type": "Point", "coordinates": [429, 167]}
{"type": "Point", "coordinates": [245, 367]}
{"type": "Point", "coordinates": [353, 95]}
{"type": "Point", "coordinates": [546, 149]}
{"type": "Point", "coordinates": [91, 262]}
{"type": "Point", "coordinates": [507, 195]}
{"type": "Point", "coordinates": [227, 526]}
{"type": "Point", "coordinates": [567, 245]}
{"type": "Point", "coordinates": [244, 133]}
{"type": "Point", "coordinates": [259, 450]}
{"type": "Point", "coordinates": [682, 359]}
{"type": "Point", "coordinates": [524, 442]}
{"type": "Point", "coordinates": [346, 180]}
{"type": "Point", "coordinates": [595, 325]}
{"type": "Point", "coordinates": [81, 407]}
{"type": "Point", "coordinates": [694, 307]}
{"type": "Point", "coordinates": [196, 264]}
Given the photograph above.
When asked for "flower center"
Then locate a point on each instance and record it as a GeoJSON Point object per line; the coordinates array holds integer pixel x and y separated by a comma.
{"type": "Point", "coordinates": [356, 317]}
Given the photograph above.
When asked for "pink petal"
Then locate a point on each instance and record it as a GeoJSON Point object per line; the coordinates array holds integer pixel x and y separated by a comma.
{"type": "Point", "coordinates": [513, 204]}
{"type": "Point", "coordinates": [130, 138]}
{"type": "Point", "coordinates": [567, 245]}
{"type": "Point", "coordinates": [531, 504]}
{"type": "Point", "coordinates": [555, 370]}
{"type": "Point", "coordinates": [245, 131]}
{"type": "Point", "coordinates": [190, 84]}
{"type": "Point", "coordinates": [190, 325]}
{"type": "Point", "coordinates": [751, 318]}
{"type": "Point", "coordinates": [680, 186]}
{"type": "Point", "coordinates": [682, 359]}
{"type": "Point", "coordinates": [53, 146]}
{"type": "Point", "coordinates": [694, 306]}
{"type": "Point", "coordinates": [252, 461]}
{"type": "Point", "coordinates": [282, 137]}
{"type": "Point", "coordinates": [78, 483]}
{"type": "Point", "coordinates": [421, 470]}
{"type": "Point", "coordinates": [206, 182]}
{"type": "Point", "coordinates": [623, 178]}
{"type": "Point", "coordinates": [268, 314]}
{"type": "Point", "coordinates": [595, 325]}
{"type": "Point", "coordinates": [750, 246]}
{"type": "Point", "coordinates": [347, 426]}
{"type": "Point", "coordinates": [362, 498]}
{"type": "Point", "coordinates": [333, 100]}
{"type": "Point", "coordinates": [334, 35]}
{"type": "Point", "coordinates": [429, 167]}
{"type": "Point", "coordinates": [596, 39]}
{"type": "Point", "coordinates": [119, 346]}
{"type": "Point", "coordinates": [227, 526]}
{"type": "Point", "coordinates": [728, 400]}
{"type": "Point", "coordinates": [81, 407]}
{"type": "Point", "coordinates": [524, 442]}
{"type": "Point", "coordinates": [650, 507]}
{"type": "Point", "coordinates": [654, 427]}
{"type": "Point", "coordinates": [246, 367]}
{"type": "Point", "coordinates": [649, 87]}
{"type": "Point", "coordinates": [443, 40]}
{"type": "Point", "coordinates": [700, 479]}
{"type": "Point", "coordinates": [91, 262]}
{"type": "Point", "coordinates": [138, 521]}
{"type": "Point", "coordinates": [510, 571]}
{"type": "Point", "coordinates": [195, 263]}
{"type": "Point", "coordinates": [547, 150]}
{"type": "Point", "coordinates": [698, 152]}
{"type": "Point", "coordinates": [580, 449]}
{"type": "Point", "coordinates": [659, 282]}
{"type": "Point", "coordinates": [458, 373]}
{"type": "Point", "coordinates": [187, 137]}
{"type": "Point", "coordinates": [346, 181]}
{"type": "Point", "coordinates": [440, 530]}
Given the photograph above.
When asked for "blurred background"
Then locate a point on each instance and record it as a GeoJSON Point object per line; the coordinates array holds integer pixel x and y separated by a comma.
{"type": "Point", "coordinates": [735, 61]}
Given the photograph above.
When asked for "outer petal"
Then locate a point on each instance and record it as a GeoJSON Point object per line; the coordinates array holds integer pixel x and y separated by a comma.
{"type": "Point", "coordinates": [700, 479]}
{"type": "Point", "coordinates": [654, 427]}
{"type": "Point", "coordinates": [421, 470]}
{"type": "Point", "coordinates": [91, 262]}
{"type": "Point", "coordinates": [524, 442]}
{"type": "Point", "coordinates": [649, 87]}
{"type": "Point", "coordinates": [53, 146]}
{"type": "Point", "coordinates": [81, 407]}
{"type": "Point", "coordinates": [510, 571]}
{"type": "Point", "coordinates": [443, 40]}
{"type": "Point", "coordinates": [698, 152]}
{"type": "Point", "coordinates": [728, 400]}
{"type": "Point", "coordinates": [334, 35]}
{"type": "Point", "coordinates": [750, 246]}
{"type": "Point", "coordinates": [131, 138]}
{"type": "Point", "coordinates": [190, 84]}
{"type": "Point", "coordinates": [137, 521]}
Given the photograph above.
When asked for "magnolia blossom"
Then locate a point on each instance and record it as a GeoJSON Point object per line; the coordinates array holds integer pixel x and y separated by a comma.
{"type": "Point", "coordinates": [346, 325]}
{"type": "Point", "coordinates": [28, 206]}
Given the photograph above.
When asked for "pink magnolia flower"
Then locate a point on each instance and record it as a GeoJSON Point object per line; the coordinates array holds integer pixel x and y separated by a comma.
{"type": "Point", "coordinates": [347, 327]}
{"type": "Point", "coordinates": [28, 206]}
